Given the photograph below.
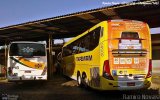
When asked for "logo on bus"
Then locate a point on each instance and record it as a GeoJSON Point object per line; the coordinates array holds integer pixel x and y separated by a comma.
{"type": "Point", "coordinates": [28, 49]}
{"type": "Point", "coordinates": [84, 58]}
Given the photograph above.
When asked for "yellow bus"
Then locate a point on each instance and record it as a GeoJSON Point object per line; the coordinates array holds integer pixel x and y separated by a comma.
{"type": "Point", "coordinates": [112, 55]}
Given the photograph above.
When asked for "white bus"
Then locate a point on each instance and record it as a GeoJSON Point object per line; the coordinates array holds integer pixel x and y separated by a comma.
{"type": "Point", "coordinates": [156, 60]}
{"type": "Point", "coordinates": [27, 61]}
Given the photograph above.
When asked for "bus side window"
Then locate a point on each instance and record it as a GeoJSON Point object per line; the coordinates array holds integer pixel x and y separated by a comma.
{"type": "Point", "coordinates": [94, 38]}
{"type": "Point", "coordinates": [82, 46]}
{"type": "Point", "coordinates": [87, 43]}
{"type": "Point", "coordinates": [67, 51]}
{"type": "Point", "coordinates": [75, 47]}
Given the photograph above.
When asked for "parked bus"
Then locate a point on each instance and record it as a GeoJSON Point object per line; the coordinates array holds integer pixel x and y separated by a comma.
{"type": "Point", "coordinates": [112, 55]}
{"type": "Point", "coordinates": [156, 59]}
{"type": "Point", "coordinates": [27, 61]}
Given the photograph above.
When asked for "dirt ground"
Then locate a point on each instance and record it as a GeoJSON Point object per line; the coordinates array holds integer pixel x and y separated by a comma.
{"type": "Point", "coordinates": [61, 88]}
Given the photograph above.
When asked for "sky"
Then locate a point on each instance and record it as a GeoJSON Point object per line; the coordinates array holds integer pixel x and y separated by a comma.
{"type": "Point", "coordinates": [14, 12]}
{"type": "Point", "coordinates": [19, 11]}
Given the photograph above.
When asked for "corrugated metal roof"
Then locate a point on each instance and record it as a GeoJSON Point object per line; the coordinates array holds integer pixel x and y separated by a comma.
{"type": "Point", "coordinates": [73, 24]}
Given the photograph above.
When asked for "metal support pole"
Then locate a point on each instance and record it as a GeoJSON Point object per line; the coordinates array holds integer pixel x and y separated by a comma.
{"type": "Point", "coordinates": [51, 70]}
{"type": "Point", "coordinates": [5, 56]}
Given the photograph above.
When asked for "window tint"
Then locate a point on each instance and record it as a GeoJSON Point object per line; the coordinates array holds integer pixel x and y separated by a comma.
{"type": "Point", "coordinates": [67, 51]}
{"type": "Point", "coordinates": [130, 35]}
{"type": "Point", "coordinates": [27, 49]}
{"type": "Point", "coordinates": [86, 43]}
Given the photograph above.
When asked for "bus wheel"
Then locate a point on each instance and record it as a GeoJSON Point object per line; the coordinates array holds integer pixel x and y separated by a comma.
{"type": "Point", "coordinates": [84, 79]}
{"type": "Point", "coordinates": [79, 79]}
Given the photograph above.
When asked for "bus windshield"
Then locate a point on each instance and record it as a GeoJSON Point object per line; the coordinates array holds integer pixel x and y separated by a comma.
{"type": "Point", "coordinates": [27, 49]}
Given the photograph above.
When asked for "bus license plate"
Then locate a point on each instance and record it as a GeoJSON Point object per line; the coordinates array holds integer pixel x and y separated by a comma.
{"type": "Point", "coordinates": [131, 84]}
{"type": "Point", "coordinates": [27, 71]}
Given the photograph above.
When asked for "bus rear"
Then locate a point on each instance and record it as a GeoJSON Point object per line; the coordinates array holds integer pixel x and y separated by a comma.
{"type": "Point", "coordinates": [27, 61]}
{"type": "Point", "coordinates": [129, 56]}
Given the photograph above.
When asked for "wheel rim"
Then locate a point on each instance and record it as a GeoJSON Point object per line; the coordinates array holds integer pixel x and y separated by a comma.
{"type": "Point", "coordinates": [79, 79]}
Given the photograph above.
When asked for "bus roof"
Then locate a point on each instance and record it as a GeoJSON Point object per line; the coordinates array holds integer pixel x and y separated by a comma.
{"type": "Point", "coordinates": [77, 37]}
{"type": "Point", "coordinates": [27, 42]}
{"type": "Point", "coordinates": [115, 20]}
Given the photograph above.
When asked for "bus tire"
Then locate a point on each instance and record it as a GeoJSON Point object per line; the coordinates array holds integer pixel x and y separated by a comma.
{"type": "Point", "coordinates": [79, 79]}
{"type": "Point", "coordinates": [84, 79]}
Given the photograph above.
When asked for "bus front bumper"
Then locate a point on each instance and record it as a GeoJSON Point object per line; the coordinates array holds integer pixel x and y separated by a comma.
{"type": "Point", "coordinates": [21, 78]}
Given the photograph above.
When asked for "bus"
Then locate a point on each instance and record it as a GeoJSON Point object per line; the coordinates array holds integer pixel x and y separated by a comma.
{"type": "Point", "coordinates": [112, 55]}
{"type": "Point", "coordinates": [27, 61]}
{"type": "Point", "coordinates": [156, 58]}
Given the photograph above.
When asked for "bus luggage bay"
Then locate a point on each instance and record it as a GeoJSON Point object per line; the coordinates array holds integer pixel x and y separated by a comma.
{"type": "Point", "coordinates": [27, 61]}
{"type": "Point", "coordinates": [112, 55]}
